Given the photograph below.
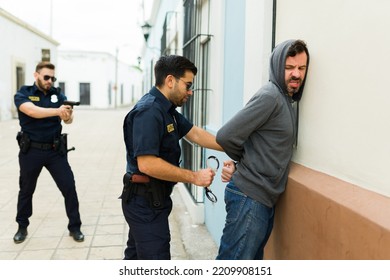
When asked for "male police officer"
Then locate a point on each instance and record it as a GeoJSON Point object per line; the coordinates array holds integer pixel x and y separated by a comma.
{"type": "Point", "coordinates": [42, 145]}
{"type": "Point", "coordinates": [152, 131]}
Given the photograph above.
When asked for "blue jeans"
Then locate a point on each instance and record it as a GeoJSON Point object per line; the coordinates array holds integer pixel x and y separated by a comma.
{"type": "Point", "coordinates": [247, 229]}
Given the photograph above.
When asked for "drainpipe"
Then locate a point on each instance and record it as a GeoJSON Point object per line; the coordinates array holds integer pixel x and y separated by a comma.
{"type": "Point", "coordinates": [273, 24]}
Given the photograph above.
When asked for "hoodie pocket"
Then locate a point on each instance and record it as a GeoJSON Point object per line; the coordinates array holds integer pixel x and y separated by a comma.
{"type": "Point", "coordinates": [274, 177]}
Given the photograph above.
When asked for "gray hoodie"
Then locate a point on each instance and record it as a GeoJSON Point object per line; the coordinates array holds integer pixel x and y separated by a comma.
{"type": "Point", "coordinates": [262, 134]}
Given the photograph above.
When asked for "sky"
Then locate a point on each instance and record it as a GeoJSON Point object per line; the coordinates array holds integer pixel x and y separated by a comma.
{"type": "Point", "coordinates": [91, 25]}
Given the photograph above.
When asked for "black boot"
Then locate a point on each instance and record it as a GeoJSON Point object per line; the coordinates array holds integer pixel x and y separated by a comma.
{"type": "Point", "coordinates": [20, 235]}
{"type": "Point", "coordinates": [77, 235]}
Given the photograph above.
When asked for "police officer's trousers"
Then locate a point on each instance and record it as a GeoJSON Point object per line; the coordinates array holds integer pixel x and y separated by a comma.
{"type": "Point", "coordinates": [149, 235]}
{"type": "Point", "coordinates": [31, 164]}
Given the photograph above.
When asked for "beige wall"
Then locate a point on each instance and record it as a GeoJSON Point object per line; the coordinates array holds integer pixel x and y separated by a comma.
{"type": "Point", "coordinates": [344, 126]}
{"type": "Point", "coordinates": [321, 217]}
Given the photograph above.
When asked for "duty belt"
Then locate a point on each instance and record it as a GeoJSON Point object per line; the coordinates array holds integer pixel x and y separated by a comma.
{"type": "Point", "coordinates": [42, 146]}
{"type": "Point", "coordinates": [154, 190]}
{"type": "Point", "coordinates": [140, 180]}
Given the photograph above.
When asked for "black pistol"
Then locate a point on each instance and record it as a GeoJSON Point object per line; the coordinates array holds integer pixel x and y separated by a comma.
{"type": "Point", "coordinates": [71, 103]}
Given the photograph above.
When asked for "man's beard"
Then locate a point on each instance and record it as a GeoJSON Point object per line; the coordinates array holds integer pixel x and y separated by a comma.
{"type": "Point", "coordinates": [42, 87]}
{"type": "Point", "coordinates": [292, 90]}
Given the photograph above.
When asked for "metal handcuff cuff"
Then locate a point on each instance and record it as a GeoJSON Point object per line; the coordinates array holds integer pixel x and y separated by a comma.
{"type": "Point", "coordinates": [213, 163]}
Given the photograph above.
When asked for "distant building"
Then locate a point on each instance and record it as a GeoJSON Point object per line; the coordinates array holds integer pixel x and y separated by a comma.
{"type": "Point", "coordinates": [22, 48]}
{"type": "Point", "coordinates": [97, 79]}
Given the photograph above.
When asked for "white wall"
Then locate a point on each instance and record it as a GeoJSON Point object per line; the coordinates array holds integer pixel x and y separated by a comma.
{"type": "Point", "coordinates": [95, 68]}
{"type": "Point", "coordinates": [98, 69]}
{"type": "Point", "coordinates": [21, 45]}
{"type": "Point", "coordinates": [258, 24]}
{"type": "Point", "coordinates": [152, 51]}
{"type": "Point", "coordinates": [344, 122]}
{"type": "Point", "coordinates": [216, 28]}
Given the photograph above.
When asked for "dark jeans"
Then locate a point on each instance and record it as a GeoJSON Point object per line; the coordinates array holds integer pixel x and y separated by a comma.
{"type": "Point", "coordinates": [31, 165]}
{"type": "Point", "coordinates": [149, 235]}
{"type": "Point", "coordinates": [248, 226]}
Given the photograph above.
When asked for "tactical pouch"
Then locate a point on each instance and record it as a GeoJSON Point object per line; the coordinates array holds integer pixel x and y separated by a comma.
{"type": "Point", "coordinates": [159, 192]}
{"type": "Point", "coordinates": [23, 141]}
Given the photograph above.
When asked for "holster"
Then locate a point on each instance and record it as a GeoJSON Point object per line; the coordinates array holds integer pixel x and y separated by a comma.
{"type": "Point", "coordinates": [24, 141]}
{"type": "Point", "coordinates": [126, 192]}
{"type": "Point", "coordinates": [154, 190]}
{"type": "Point", "coordinates": [61, 144]}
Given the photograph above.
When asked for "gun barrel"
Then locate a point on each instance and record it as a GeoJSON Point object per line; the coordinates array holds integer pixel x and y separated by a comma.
{"type": "Point", "coordinates": [71, 103]}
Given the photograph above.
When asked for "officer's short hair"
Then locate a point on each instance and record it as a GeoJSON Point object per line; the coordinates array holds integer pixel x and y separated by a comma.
{"type": "Point", "coordinates": [174, 65]}
{"type": "Point", "coordinates": [44, 64]}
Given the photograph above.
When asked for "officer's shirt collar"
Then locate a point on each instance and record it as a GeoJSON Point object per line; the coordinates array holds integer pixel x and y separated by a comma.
{"type": "Point", "coordinates": [36, 90]}
{"type": "Point", "coordinates": [166, 104]}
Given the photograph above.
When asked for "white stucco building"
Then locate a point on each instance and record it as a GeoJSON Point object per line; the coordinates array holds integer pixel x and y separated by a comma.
{"type": "Point", "coordinates": [91, 78]}
{"type": "Point", "coordinates": [22, 48]}
{"type": "Point", "coordinates": [97, 79]}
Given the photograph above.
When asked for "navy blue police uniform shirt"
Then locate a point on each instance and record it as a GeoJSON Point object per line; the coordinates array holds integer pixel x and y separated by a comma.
{"type": "Point", "coordinates": [43, 130]}
{"type": "Point", "coordinates": [154, 127]}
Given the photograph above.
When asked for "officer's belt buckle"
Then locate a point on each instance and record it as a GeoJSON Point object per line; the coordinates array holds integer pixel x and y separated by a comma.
{"type": "Point", "coordinates": [137, 178]}
{"type": "Point", "coordinates": [41, 146]}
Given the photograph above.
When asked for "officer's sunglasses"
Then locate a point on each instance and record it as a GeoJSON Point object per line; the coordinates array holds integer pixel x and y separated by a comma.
{"type": "Point", "coordinates": [47, 77]}
{"type": "Point", "coordinates": [189, 86]}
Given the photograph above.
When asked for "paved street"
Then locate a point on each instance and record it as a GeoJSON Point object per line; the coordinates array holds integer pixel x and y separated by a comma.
{"type": "Point", "coordinates": [98, 164]}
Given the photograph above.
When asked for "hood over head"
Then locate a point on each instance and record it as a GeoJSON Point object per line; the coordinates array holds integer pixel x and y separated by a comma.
{"type": "Point", "coordinates": [277, 68]}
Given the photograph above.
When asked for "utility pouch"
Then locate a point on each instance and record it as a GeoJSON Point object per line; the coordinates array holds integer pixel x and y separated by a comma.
{"type": "Point", "coordinates": [159, 192]}
{"type": "Point", "coordinates": [23, 141]}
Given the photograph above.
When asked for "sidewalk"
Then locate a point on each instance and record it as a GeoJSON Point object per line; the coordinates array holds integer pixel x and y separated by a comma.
{"type": "Point", "coordinates": [98, 164]}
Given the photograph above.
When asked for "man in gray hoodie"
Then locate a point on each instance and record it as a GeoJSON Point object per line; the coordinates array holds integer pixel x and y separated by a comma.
{"type": "Point", "coordinates": [260, 138]}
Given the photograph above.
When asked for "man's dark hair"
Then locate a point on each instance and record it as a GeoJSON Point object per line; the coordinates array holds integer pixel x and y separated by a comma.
{"type": "Point", "coordinates": [174, 65]}
{"type": "Point", "coordinates": [44, 64]}
{"type": "Point", "coordinates": [297, 47]}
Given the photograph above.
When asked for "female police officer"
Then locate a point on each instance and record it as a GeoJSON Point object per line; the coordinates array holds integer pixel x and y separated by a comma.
{"type": "Point", "coordinates": [40, 112]}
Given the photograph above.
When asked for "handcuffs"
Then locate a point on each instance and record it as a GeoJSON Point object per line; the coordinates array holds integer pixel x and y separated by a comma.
{"type": "Point", "coordinates": [213, 163]}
